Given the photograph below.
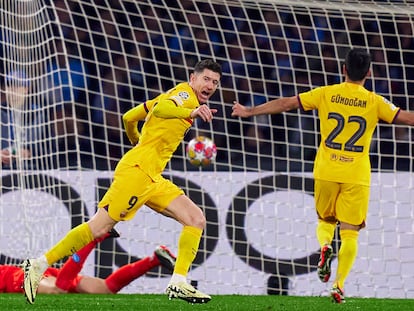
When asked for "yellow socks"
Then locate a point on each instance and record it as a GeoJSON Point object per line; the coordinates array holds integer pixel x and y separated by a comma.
{"type": "Point", "coordinates": [325, 232]}
{"type": "Point", "coordinates": [347, 255]}
{"type": "Point", "coordinates": [187, 249]}
{"type": "Point", "coordinates": [74, 240]}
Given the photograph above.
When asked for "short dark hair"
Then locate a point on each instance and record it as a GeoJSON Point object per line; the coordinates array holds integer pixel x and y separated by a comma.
{"type": "Point", "coordinates": [208, 64]}
{"type": "Point", "coordinates": [357, 63]}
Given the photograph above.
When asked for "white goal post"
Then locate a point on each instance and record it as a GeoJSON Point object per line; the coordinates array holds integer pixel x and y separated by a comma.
{"type": "Point", "coordinates": [70, 69]}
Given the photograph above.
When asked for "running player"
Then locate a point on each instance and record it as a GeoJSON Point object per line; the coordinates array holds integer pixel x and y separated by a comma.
{"type": "Point", "coordinates": [348, 115]}
{"type": "Point", "coordinates": [138, 181]}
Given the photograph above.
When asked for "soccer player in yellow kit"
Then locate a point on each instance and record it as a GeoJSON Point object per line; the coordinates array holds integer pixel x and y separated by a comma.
{"type": "Point", "coordinates": [138, 181]}
{"type": "Point", "coordinates": [348, 115]}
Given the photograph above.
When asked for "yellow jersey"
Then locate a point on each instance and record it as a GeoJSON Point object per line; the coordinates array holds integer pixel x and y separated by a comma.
{"type": "Point", "coordinates": [166, 123]}
{"type": "Point", "coordinates": [348, 115]}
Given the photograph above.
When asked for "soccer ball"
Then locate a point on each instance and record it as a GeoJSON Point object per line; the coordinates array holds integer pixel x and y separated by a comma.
{"type": "Point", "coordinates": [201, 151]}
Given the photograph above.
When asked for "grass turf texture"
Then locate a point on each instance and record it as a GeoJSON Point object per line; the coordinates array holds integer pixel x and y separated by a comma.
{"type": "Point", "coordinates": [143, 302]}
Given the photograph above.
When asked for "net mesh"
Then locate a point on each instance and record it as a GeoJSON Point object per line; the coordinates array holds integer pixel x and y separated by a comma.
{"type": "Point", "coordinates": [70, 69]}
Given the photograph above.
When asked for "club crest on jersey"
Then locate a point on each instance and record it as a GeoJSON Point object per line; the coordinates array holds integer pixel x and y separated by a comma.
{"type": "Point", "coordinates": [184, 95]}
{"type": "Point", "coordinates": [180, 98]}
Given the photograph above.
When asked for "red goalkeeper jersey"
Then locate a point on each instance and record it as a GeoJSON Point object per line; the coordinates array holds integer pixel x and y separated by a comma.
{"type": "Point", "coordinates": [11, 279]}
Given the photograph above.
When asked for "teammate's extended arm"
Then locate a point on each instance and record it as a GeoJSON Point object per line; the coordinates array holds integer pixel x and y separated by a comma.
{"type": "Point", "coordinates": [271, 107]}
{"type": "Point", "coordinates": [404, 117]}
{"type": "Point", "coordinates": [131, 118]}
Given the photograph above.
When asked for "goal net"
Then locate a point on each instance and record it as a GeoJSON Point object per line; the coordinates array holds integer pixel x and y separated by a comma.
{"type": "Point", "coordinates": [70, 69]}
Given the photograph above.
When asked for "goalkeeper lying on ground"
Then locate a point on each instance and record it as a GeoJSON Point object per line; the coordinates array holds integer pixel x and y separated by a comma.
{"type": "Point", "coordinates": [68, 280]}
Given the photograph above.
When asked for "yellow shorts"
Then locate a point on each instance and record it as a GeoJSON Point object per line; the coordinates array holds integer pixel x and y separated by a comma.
{"type": "Point", "coordinates": [131, 188]}
{"type": "Point", "coordinates": [341, 202]}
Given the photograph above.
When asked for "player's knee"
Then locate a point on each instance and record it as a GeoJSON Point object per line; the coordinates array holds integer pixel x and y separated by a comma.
{"type": "Point", "coordinates": [199, 221]}
{"type": "Point", "coordinates": [101, 223]}
{"type": "Point", "coordinates": [194, 218]}
{"type": "Point", "coordinates": [100, 231]}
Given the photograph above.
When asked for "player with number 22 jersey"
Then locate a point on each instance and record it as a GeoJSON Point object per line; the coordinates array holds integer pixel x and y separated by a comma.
{"type": "Point", "coordinates": [348, 115]}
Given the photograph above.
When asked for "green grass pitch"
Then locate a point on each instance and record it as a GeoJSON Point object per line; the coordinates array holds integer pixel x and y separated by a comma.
{"type": "Point", "coordinates": [145, 302]}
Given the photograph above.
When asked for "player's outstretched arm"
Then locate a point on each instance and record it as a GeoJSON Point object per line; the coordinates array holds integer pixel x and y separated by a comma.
{"type": "Point", "coordinates": [404, 117]}
{"type": "Point", "coordinates": [167, 109]}
{"type": "Point", "coordinates": [274, 106]}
